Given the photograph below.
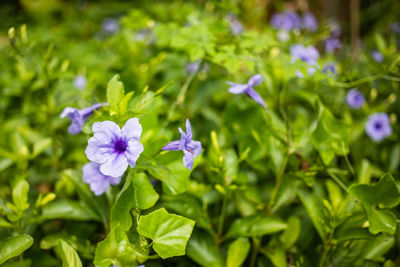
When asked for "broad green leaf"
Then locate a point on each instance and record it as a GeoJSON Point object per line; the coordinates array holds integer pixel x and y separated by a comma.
{"type": "Point", "coordinates": [255, 225]}
{"type": "Point", "coordinates": [123, 105]}
{"type": "Point", "coordinates": [83, 246]}
{"type": "Point", "coordinates": [376, 200]}
{"type": "Point", "coordinates": [40, 146]}
{"type": "Point", "coordinates": [68, 255]}
{"type": "Point", "coordinates": [202, 249]}
{"type": "Point", "coordinates": [68, 209]}
{"type": "Point", "coordinates": [116, 249]}
{"type": "Point", "coordinates": [354, 234]}
{"type": "Point", "coordinates": [237, 252]}
{"type": "Point", "coordinates": [169, 232]}
{"type": "Point", "coordinates": [13, 246]}
{"type": "Point", "coordinates": [137, 193]}
{"type": "Point", "coordinates": [144, 194]}
{"type": "Point", "coordinates": [376, 248]}
{"type": "Point", "coordinates": [20, 195]}
{"type": "Point", "coordinates": [115, 93]}
{"type": "Point", "coordinates": [291, 233]}
{"type": "Point", "coordinates": [277, 255]}
{"type": "Point", "coordinates": [315, 210]}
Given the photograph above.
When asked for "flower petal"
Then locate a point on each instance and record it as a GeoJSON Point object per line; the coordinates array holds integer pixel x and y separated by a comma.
{"type": "Point", "coordinates": [98, 151]}
{"type": "Point", "coordinates": [188, 130]}
{"type": "Point", "coordinates": [195, 147]}
{"type": "Point", "coordinates": [132, 129]}
{"type": "Point", "coordinates": [173, 146]}
{"type": "Point", "coordinates": [238, 88]}
{"type": "Point", "coordinates": [188, 159]}
{"type": "Point", "coordinates": [75, 127]}
{"type": "Point", "coordinates": [253, 94]}
{"type": "Point", "coordinates": [255, 80]}
{"type": "Point", "coordinates": [133, 151]}
{"type": "Point", "coordinates": [115, 166]}
{"type": "Point", "coordinates": [106, 131]}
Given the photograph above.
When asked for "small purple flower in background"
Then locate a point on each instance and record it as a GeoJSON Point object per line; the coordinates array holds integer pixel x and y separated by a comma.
{"type": "Point", "coordinates": [247, 88]}
{"type": "Point", "coordinates": [79, 117]}
{"type": "Point", "coordinates": [307, 54]}
{"type": "Point", "coordinates": [236, 26]}
{"type": "Point", "coordinates": [114, 149]}
{"type": "Point", "coordinates": [310, 22]}
{"type": "Point", "coordinates": [110, 26]}
{"type": "Point", "coordinates": [193, 67]}
{"type": "Point", "coordinates": [335, 28]}
{"type": "Point", "coordinates": [299, 74]}
{"type": "Point", "coordinates": [378, 126]}
{"type": "Point", "coordinates": [99, 183]}
{"type": "Point", "coordinates": [355, 99]}
{"type": "Point", "coordinates": [190, 148]}
{"type": "Point", "coordinates": [331, 44]}
{"type": "Point", "coordinates": [329, 67]}
{"type": "Point", "coordinates": [395, 27]}
{"type": "Point", "coordinates": [80, 82]}
{"type": "Point", "coordinates": [286, 21]}
{"type": "Point", "coordinates": [377, 56]}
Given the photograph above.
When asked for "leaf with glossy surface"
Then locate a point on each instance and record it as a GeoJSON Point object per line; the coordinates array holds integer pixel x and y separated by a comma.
{"type": "Point", "coordinates": [255, 225]}
{"type": "Point", "coordinates": [169, 232]}
{"type": "Point", "coordinates": [202, 249]}
{"type": "Point", "coordinates": [115, 92]}
{"type": "Point", "coordinates": [237, 252]}
{"type": "Point", "coordinates": [68, 209]}
{"type": "Point", "coordinates": [13, 246]}
{"type": "Point", "coordinates": [68, 255]}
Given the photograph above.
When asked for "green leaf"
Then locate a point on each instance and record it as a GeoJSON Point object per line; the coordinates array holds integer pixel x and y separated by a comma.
{"type": "Point", "coordinates": [83, 246]}
{"type": "Point", "coordinates": [115, 249]}
{"type": "Point", "coordinates": [137, 193]}
{"type": "Point", "coordinates": [68, 255]}
{"type": "Point", "coordinates": [40, 146]}
{"type": "Point", "coordinates": [291, 233]}
{"type": "Point", "coordinates": [255, 225]}
{"type": "Point", "coordinates": [115, 93]}
{"type": "Point", "coordinates": [376, 200]}
{"type": "Point", "coordinates": [13, 246]}
{"type": "Point", "coordinates": [20, 195]}
{"type": "Point", "coordinates": [315, 210]}
{"type": "Point", "coordinates": [237, 252]}
{"type": "Point", "coordinates": [277, 255]}
{"type": "Point", "coordinates": [68, 209]}
{"type": "Point", "coordinates": [202, 249]}
{"type": "Point", "coordinates": [169, 232]}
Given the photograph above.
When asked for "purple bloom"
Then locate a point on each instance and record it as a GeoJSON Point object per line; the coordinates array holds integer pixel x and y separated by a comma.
{"type": "Point", "coordinates": [286, 21]}
{"type": "Point", "coordinates": [335, 28]}
{"type": "Point", "coordinates": [236, 26]}
{"type": "Point", "coordinates": [395, 27]}
{"type": "Point", "coordinates": [329, 67]}
{"type": "Point", "coordinates": [80, 82]}
{"type": "Point", "coordinates": [307, 54]}
{"type": "Point", "coordinates": [110, 26]}
{"type": "Point", "coordinates": [377, 56]}
{"type": "Point", "coordinates": [114, 149]}
{"type": "Point", "coordinates": [193, 67]}
{"type": "Point", "coordinates": [247, 88]}
{"type": "Point", "coordinates": [99, 183]}
{"type": "Point", "coordinates": [355, 99]}
{"type": "Point", "coordinates": [190, 148]}
{"type": "Point", "coordinates": [331, 44]}
{"type": "Point", "coordinates": [378, 126]}
{"type": "Point", "coordinates": [310, 22]}
{"type": "Point", "coordinates": [79, 117]}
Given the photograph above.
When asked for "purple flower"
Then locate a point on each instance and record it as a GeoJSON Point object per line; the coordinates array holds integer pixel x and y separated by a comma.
{"type": "Point", "coordinates": [79, 117]}
{"type": "Point", "coordinates": [378, 126]}
{"type": "Point", "coordinates": [307, 54]}
{"type": "Point", "coordinates": [193, 67]}
{"type": "Point", "coordinates": [377, 56]}
{"type": "Point", "coordinates": [190, 148]}
{"type": "Point", "coordinates": [355, 99]}
{"type": "Point", "coordinates": [110, 26]}
{"type": "Point", "coordinates": [286, 21]}
{"type": "Point", "coordinates": [80, 82]}
{"type": "Point", "coordinates": [335, 28]}
{"type": "Point", "coordinates": [236, 26]}
{"type": "Point", "coordinates": [247, 88]}
{"type": "Point", "coordinates": [99, 183]}
{"type": "Point", "coordinates": [329, 67]}
{"type": "Point", "coordinates": [331, 44]}
{"type": "Point", "coordinates": [310, 22]}
{"type": "Point", "coordinates": [114, 149]}
{"type": "Point", "coordinates": [395, 27]}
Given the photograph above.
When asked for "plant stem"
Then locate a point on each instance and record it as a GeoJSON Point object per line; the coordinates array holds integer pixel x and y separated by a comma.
{"type": "Point", "coordinates": [254, 252]}
{"type": "Point", "coordinates": [222, 217]}
{"type": "Point", "coordinates": [278, 184]}
{"type": "Point", "coordinates": [338, 181]}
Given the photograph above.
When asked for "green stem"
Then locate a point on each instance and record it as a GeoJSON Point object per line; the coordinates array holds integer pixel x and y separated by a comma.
{"type": "Point", "coordinates": [278, 184]}
{"type": "Point", "coordinates": [222, 216]}
{"type": "Point", "coordinates": [254, 252]}
{"type": "Point", "coordinates": [338, 181]}
{"type": "Point", "coordinates": [324, 255]}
